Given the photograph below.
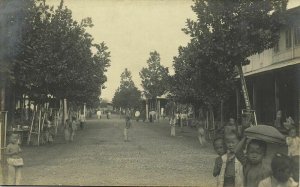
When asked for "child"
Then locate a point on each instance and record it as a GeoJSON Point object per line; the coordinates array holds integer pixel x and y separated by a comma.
{"type": "Point", "coordinates": [281, 170]}
{"type": "Point", "coordinates": [173, 125]}
{"type": "Point", "coordinates": [67, 130]}
{"type": "Point", "coordinates": [127, 125]}
{"type": "Point", "coordinates": [201, 134]}
{"type": "Point", "coordinates": [253, 168]}
{"type": "Point", "coordinates": [14, 161]}
{"type": "Point", "coordinates": [293, 143]}
{"type": "Point", "coordinates": [220, 149]}
{"type": "Point", "coordinates": [231, 174]}
{"type": "Point", "coordinates": [74, 128]}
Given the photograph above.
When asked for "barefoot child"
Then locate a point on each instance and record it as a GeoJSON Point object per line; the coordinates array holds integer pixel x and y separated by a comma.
{"type": "Point", "coordinates": [231, 174]}
{"type": "Point", "coordinates": [281, 173]}
{"type": "Point", "coordinates": [220, 149]}
{"type": "Point", "coordinates": [14, 160]}
{"type": "Point", "coordinates": [253, 168]}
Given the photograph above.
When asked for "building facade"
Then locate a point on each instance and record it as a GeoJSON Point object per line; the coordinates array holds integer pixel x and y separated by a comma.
{"type": "Point", "coordinates": [273, 76]}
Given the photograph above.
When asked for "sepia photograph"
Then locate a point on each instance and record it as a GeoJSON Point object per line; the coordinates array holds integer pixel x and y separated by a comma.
{"type": "Point", "coordinates": [199, 93]}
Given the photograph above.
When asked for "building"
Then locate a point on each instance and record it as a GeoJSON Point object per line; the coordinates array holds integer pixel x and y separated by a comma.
{"type": "Point", "coordinates": [273, 76]}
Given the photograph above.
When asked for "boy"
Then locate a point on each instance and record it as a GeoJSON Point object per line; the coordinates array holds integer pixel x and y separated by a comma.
{"type": "Point", "coordinates": [220, 149]}
{"type": "Point", "coordinates": [231, 173]}
{"type": "Point", "coordinates": [253, 168]}
{"type": "Point", "coordinates": [281, 170]}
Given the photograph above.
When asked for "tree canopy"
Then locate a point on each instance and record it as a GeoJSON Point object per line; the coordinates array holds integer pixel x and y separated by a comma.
{"type": "Point", "coordinates": [127, 95]}
{"type": "Point", "coordinates": [55, 56]}
{"type": "Point", "coordinates": [223, 36]}
{"type": "Point", "coordinates": [154, 77]}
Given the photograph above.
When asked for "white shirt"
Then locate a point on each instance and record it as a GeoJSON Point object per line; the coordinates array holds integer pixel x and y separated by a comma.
{"type": "Point", "coordinates": [293, 145]}
{"type": "Point", "coordinates": [272, 182]}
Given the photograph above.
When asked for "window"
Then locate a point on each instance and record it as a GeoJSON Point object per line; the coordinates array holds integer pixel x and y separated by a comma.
{"type": "Point", "coordinates": [276, 47]}
{"type": "Point", "coordinates": [288, 38]}
{"type": "Point", "coordinates": [297, 35]}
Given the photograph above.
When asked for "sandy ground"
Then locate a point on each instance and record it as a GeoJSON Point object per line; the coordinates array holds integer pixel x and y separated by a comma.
{"type": "Point", "coordinates": [99, 156]}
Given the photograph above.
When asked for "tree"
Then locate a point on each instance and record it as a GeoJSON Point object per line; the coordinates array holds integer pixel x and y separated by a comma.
{"type": "Point", "coordinates": [127, 95]}
{"type": "Point", "coordinates": [154, 77]}
{"type": "Point", "coordinates": [198, 80]}
{"type": "Point", "coordinates": [233, 31]}
{"type": "Point", "coordinates": [222, 38]}
{"type": "Point", "coordinates": [56, 57]}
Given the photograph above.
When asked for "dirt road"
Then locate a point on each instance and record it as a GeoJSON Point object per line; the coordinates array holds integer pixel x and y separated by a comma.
{"type": "Point", "coordinates": [99, 156]}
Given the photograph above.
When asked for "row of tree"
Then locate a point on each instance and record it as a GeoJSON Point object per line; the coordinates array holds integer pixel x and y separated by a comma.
{"type": "Point", "coordinates": [223, 36]}
{"type": "Point", "coordinates": [46, 54]}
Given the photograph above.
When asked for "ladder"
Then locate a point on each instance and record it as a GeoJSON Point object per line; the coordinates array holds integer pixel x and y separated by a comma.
{"type": "Point", "coordinates": [252, 115]}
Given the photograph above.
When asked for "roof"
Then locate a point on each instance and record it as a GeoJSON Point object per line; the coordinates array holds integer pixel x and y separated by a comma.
{"type": "Point", "coordinates": [274, 66]}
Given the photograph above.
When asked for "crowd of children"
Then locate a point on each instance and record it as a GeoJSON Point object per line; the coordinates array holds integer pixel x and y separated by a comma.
{"type": "Point", "coordinates": [240, 162]}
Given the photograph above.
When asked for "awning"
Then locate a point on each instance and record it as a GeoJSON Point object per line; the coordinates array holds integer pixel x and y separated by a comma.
{"type": "Point", "coordinates": [273, 66]}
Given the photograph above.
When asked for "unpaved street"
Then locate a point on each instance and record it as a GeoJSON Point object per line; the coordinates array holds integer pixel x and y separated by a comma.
{"type": "Point", "coordinates": [99, 156]}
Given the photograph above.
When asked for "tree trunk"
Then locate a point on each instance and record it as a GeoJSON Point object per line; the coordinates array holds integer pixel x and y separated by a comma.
{"type": "Point", "coordinates": [2, 98]}
{"type": "Point", "coordinates": [222, 116]}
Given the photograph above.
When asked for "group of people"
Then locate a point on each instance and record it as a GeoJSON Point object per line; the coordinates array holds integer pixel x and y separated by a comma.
{"type": "Point", "coordinates": [240, 162]}
{"type": "Point", "coordinates": [71, 126]}
{"type": "Point", "coordinates": [99, 114]}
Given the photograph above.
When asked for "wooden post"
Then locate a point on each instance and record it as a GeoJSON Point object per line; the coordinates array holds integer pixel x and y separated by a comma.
{"type": "Point", "coordinates": [237, 105]}
{"type": "Point", "coordinates": [276, 90]}
{"type": "Point", "coordinates": [254, 95]}
{"type": "Point", "coordinates": [65, 111]}
{"type": "Point", "coordinates": [158, 110]}
{"type": "Point", "coordinates": [39, 129]}
{"type": "Point", "coordinates": [31, 126]}
{"type": "Point", "coordinates": [2, 98]}
{"type": "Point", "coordinates": [147, 110]}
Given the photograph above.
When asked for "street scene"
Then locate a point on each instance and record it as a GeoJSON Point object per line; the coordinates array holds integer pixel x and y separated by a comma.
{"type": "Point", "coordinates": [150, 93]}
{"type": "Point", "coordinates": [99, 156]}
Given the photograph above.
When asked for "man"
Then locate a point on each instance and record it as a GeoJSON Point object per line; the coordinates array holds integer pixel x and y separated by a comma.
{"type": "Point", "coordinates": [137, 115]}
{"type": "Point", "coordinates": [127, 124]}
{"type": "Point", "coordinates": [99, 114]}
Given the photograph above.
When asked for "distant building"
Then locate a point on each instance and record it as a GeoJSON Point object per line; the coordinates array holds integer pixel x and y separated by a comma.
{"type": "Point", "coordinates": [273, 76]}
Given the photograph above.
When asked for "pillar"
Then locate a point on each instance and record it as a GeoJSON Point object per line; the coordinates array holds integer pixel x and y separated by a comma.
{"type": "Point", "coordinates": [276, 93]}
{"type": "Point", "coordinates": [147, 112]}
{"type": "Point", "coordinates": [84, 110]}
{"type": "Point", "coordinates": [158, 109]}
{"type": "Point", "coordinates": [253, 95]}
{"type": "Point", "coordinates": [65, 110]}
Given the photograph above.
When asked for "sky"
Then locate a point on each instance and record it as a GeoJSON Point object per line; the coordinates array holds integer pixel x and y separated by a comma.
{"type": "Point", "coordinates": [132, 29]}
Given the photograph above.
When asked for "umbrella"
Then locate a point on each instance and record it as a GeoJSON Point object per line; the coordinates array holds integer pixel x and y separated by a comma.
{"type": "Point", "coordinates": [265, 133]}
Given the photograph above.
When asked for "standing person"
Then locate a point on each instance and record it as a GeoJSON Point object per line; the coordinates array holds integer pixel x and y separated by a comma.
{"type": "Point", "coordinates": [253, 167]}
{"type": "Point", "coordinates": [293, 142]}
{"type": "Point", "coordinates": [137, 115]}
{"type": "Point", "coordinates": [201, 133]}
{"type": "Point", "coordinates": [127, 124]}
{"type": "Point", "coordinates": [173, 125]}
{"type": "Point", "coordinates": [67, 130]}
{"type": "Point", "coordinates": [278, 121]}
{"type": "Point", "coordinates": [231, 173]}
{"type": "Point", "coordinates": [14, 160]}
{"type": "Point", "coordinates": [81, 120]}
{"type": "Point", "coordinates": [99, 114]}
{"type": "Point", "coordinates": [220, 148]}
{"type": "Point", "coordinates": [73, 128]}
